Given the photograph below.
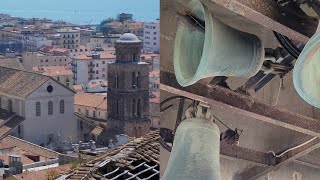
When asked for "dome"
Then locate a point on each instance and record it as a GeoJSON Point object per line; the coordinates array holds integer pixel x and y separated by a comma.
{"type": "Point", "coordinates": [128, 37]}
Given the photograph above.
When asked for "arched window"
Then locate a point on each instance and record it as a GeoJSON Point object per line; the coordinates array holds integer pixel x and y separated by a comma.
{"type": "Point", "coordinates": [50, 108]}
{"type": "Point", "coordinates": [38, 109]}
{"type": "Point", "coordinates": [62, 106]}
{"type": "Point", "coordinates": [138, 80]}
{"type": "Point", "coordinates": [138, 108]}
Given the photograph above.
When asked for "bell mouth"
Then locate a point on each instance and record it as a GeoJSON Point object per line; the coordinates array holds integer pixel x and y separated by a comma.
{"type": "Point", "coordinates": [188, 49]}
{"type": "Point", "coordinates": [306, 72]}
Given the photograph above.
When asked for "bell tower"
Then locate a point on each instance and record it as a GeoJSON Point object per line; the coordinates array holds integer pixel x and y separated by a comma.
{"type": "Point", "coordinates": [128, 89]}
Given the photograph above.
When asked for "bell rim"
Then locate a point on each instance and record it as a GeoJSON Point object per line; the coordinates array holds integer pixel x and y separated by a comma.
{"type": "Point", "coordinates": [297, 71]}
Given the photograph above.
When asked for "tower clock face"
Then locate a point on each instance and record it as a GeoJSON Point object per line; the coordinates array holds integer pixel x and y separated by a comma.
{"type": "Point", "coordinates": [49, 89]}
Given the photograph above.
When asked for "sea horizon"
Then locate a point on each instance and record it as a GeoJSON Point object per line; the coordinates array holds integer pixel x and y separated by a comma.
{"type": "Point", "coordinates": [80, 12]}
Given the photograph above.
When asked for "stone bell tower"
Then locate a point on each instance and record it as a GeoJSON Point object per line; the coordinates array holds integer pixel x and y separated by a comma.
{"type": "Point", "coordinates": [128, 89]}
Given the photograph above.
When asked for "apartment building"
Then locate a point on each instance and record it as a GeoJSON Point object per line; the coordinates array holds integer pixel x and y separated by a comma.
{"type": "Point", "coordinates": [40, 59]}
{"type": "Point", "coordinates": [91, 66]}
{"type": "Point", "coordinates": [70, 38]}
{"type": "Point", "coordinates": [151, 37]}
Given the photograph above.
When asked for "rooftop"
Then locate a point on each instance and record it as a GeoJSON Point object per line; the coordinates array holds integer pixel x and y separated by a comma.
{"type": "Point", "coordinates": [138, 157]}
{"type": "Point", "coordinates": [128, 37]}
{"type": "Point", "coordinates": [54, 70]}
{"type": "Point", "coordinates": [91, 100]}
{"type": "Point", "coordinates": [19, 83]}
{"type": "Point", "coordinates": [90, 57]}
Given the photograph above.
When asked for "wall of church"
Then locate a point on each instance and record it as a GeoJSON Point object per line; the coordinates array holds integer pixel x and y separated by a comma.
{"type": "Point", "coordinates": [50, 127]}
{"type": "Point", "coordinates": [17, 104]}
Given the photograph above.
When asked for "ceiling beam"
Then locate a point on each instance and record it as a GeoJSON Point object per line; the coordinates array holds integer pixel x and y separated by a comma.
{"type": "Point", "coordinates": [288, 21]}
{"type": "Point", "coordinates": [223, 98]}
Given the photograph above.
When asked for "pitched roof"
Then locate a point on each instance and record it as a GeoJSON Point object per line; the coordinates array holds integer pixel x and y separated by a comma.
{"type": "Point", "coordinates": [91, 100]}
{"type": "Point", "coordinates": [30, 147]}
{"type": "Point", "coordinates": [11, 63]}
{"type": "Point", "coordinates": [20, 83]}
{"type": "Point", "coordinates": [140, 155]}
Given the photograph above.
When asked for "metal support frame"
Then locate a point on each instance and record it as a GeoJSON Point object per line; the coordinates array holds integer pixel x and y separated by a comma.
{"type": "Point", "coordinates": [245, 105]}
{"type": "Point", "coordinates": [273, 16]}
{"type": "Point", "coordinates": [257, 171]}
{"type": "Point", "coordinates": [241, 104]}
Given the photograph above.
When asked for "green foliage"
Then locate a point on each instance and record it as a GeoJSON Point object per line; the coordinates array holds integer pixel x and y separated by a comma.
{"type": "Point", "coordinates": [52, 175]}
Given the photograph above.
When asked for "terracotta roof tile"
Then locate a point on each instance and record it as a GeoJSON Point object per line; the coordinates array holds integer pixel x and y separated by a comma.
{"type": "Point", "coordinates": [91, 100]}
{"type": "Point", "coordinates": [19, 83]}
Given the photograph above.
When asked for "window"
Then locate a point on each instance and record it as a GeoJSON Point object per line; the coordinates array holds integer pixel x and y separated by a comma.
{"type": "Point", "coordinates": [118, 103]}
{"type": "Point", "coordinates": [81, 125]}
{"type": "Point", "coordinates": [134, 107]}
{"type": "Point", "coordinates": [138, 108]}
{"type": "Point", "coordinates": [103, 62]}
{"type": "Point", "coordinates": [62, 106]}
{"type": "Point", "coordinates": [97, 72]}
{"type": "Point", "coordinates": [99, 113]}
{"type": "Point", "coordinates": [94, 114]}
{"type": "Point", "coordinates": [79, 110]}
{"type": "Point", "coordinates": [103, 75]}
{"type": "Point", "coordinates": [138, 79]}
{"type": "Point", "coordinates": [50, 108]}
{"type": "Point", "coordinates": [116, 82]}
{"type": "Point", "coordinates": [97, 65]}
{"type": "Point", "coordinates": [133, 79]}
{"type": "Point", "coordinates": [58, 78]}
{"type": "Point", "coordinates": [38, 109]}
{"type": "Point", "coordinates": [87, 112]}
{"type": "Point", "coordinates": [155, 33]}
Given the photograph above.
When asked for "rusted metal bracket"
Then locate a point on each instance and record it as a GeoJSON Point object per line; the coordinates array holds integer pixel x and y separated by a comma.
{"type": "Point", "coordinates": [273, 16]}
{"type": "Point", "coordinates": [220, 97]}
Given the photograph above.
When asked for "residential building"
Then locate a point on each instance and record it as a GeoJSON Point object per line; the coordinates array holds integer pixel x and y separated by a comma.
{"type": "Point", "coordinates": [85, 35]}
{"type": "Point", "coordinates": [34, 43]}
{"type": "Point", "coordinates": [128, 89]}
{"type": "Point", "coordinates": [91, 105]}
{"type": "Point", "coordinates": [46, 105]}
{"type": "Point", "coordinates": [99, 41]}
{"type": "Point", "coordinates": [87, 67]}
{"type": "Point", "coordinates": [151, 37]}
{"type": "Point", "coordinates": [62, 74]}
{"type": "Point", "coordinates": [40, 59]}
{"type": "Point", "coordinates": [70, 38]}
{"type": "Point", "coordinates": [124, 17]}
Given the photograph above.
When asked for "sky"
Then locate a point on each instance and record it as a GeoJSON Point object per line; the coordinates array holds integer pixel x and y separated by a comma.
{"type": "Point", "coordinates": [82, 11]}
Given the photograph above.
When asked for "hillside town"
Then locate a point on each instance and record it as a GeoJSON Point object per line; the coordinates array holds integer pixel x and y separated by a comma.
{"type": "Point", "coordinates": [79, 101]}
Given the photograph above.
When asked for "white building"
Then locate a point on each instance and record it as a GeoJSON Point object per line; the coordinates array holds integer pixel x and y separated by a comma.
{"type": "Point", "coordinates": [46, 105]}
{"type": "Point", "coordinates": [87, 67]}
{"type": "Point", "coordinates": [151, 37]}
{"type": "Point", "coordinates": [33, 43]}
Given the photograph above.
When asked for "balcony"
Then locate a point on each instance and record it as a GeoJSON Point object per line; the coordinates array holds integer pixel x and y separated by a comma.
{"type": "Point", "coordinates": [91, 65]}
{"type": "Point", "coordinates": [91, 72]}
